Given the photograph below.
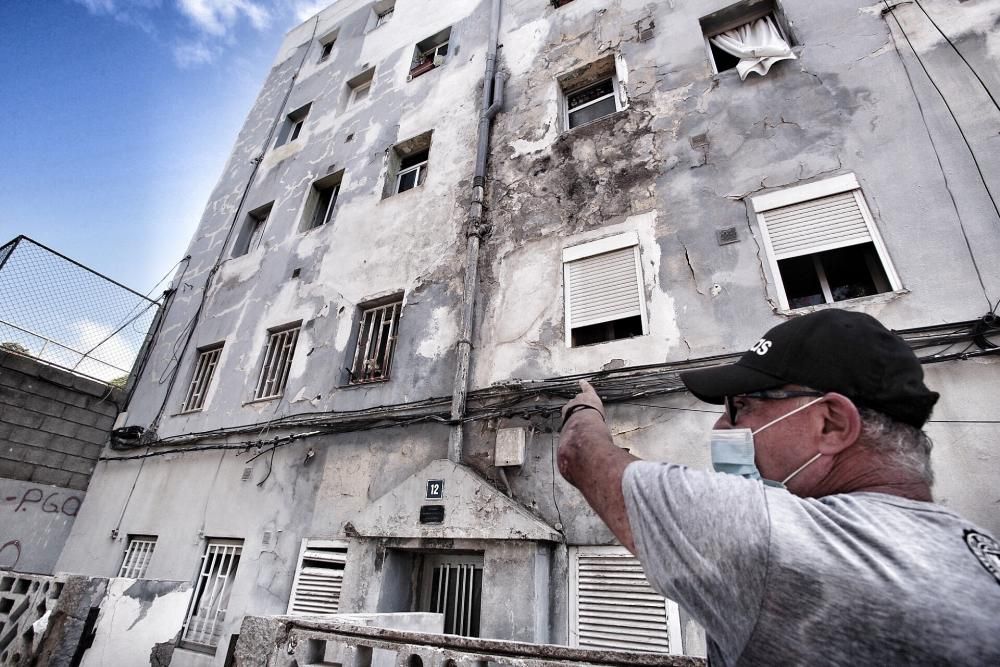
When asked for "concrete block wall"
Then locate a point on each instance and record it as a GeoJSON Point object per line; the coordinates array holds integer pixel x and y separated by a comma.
{"type": "Point", "coordinates": [53, 424]}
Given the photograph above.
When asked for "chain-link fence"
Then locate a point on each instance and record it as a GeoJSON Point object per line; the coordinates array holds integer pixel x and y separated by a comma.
{"type": "Point", "coordinates": [62, 313]}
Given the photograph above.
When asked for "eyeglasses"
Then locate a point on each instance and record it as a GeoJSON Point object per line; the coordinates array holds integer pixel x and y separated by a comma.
{"type": "Point", "coordinates": [732, 409]}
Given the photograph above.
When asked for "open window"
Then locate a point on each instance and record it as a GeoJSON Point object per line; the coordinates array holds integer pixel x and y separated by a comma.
{"type": "Point", "coordinates": [252, 230]}
{"type": "Point", "coordinates": [604, 294]}
{"type": "Point", "coordinates": [292, 127]}
{"type": "Point", "coordinates": [359, 87]}
{"type": "Point", "coordinates": [430, 53]}
{"type": "Point", "coordinates": [408, 162]}
{"type": "Point", "coordinates": [201, 381]}
{"type": "Point", "coordinates": [326, 43]}
{"type": "Point", "coordinates": [749, 36]}
{"type": "Point", "coordinates": [822, 244]}
{"type": "Point", "coordinates": [378, 327]}
{"type": "Point", "coordinates": [322, 201]}
{"type": "Point", "coordinates": [381, 13]}
{"type": "Point", "coordinates": [591, 93]}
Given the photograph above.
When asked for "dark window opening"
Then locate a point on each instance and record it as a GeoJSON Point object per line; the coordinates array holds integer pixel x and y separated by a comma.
{"type": "Point", "coordinates": [607, 331]}
{"type": "Point", "coordinates": [834, 275]}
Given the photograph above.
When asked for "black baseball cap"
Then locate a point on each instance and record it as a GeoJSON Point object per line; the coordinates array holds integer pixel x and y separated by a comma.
{"type": "Point", "coordinates": [828, 350]}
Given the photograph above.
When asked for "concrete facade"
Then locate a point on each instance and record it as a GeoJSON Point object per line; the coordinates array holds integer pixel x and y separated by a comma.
{"type": "Point", "coordinates": [682, 160]}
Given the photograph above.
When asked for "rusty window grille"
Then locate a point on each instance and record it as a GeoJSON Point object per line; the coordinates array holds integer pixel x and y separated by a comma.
{"type": "Point", "coordinates": [137, 556]}
{"type": "Point", "coordinates": [277, 362]}
{"type": "Point", "coordinates": [207, 614]}
{"type": "Point", "coordinates": [64, 314]}
{"type": "Point", "coordinates": [377, 332]}
{"type": "Point", "coordinates": [205, 367]}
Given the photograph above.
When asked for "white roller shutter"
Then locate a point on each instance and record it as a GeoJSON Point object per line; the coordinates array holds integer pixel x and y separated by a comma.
{"type": "Point", "coordinates": [318, 579]}
{"type": "Point", "coordinates": [817, 225]}
{"type": "Point", "coordinates": [603, 288]}
{"type": "Point", "coordinates": [613, 606]}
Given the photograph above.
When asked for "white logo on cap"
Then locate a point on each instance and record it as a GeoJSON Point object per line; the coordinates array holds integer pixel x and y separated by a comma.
{"type": "Point", "coordinates": [761, 347]}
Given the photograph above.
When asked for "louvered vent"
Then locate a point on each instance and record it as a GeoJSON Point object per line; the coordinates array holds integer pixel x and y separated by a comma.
{"type": "Point", "coordinates": [318, 581]}
{"type": "Point", "coordinates": [603, 288]}
{"type": "Point", "coordinates": [615, 606]}
{"type": "Point", "coordinates": [816, 225]}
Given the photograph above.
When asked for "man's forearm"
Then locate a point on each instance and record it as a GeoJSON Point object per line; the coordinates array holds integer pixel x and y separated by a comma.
{"type": "Point", "coordinates": [590, 461]}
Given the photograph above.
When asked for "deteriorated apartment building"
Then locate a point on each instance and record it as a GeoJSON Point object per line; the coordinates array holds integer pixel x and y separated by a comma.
{"type": "Point", "coordinates": [437, 215]}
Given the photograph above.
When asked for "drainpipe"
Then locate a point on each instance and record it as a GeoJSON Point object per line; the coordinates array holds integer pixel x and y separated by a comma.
{"type": "Point", "coordinates": [493, 87]}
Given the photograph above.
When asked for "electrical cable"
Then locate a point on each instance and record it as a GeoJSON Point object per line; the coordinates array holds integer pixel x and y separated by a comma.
{"type": "Point", "coordinates": [955, 49]}
{"type": "Point", "coordinates": [930, 137]}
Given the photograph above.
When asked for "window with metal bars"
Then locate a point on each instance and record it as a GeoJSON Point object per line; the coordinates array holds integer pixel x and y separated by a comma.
{"type": "Point", "coordinates": [137, 556]}
{"type": "Point", "coordinates": [277, 362]}
{"type": "Point", "coordinates": [452, 585]}
{"type": "Point", "coordinates": [318, 578]}
{"type": "Point", "coordinates": [377, 333]}
{"type": "Point", "coordinates": [612, 606]}
{"type": "Point", "coordinates": [382, 17]}
{"type": "Point", "coordinates": [605, 298]}
{"type": "Point", "coordinates": [822, 244]}
{"type": "Point", "coordinates": [206, 616]}
{"type": "Point", "coordinates": [204, 371]}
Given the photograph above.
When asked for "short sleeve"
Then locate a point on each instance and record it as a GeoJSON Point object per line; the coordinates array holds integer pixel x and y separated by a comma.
{"type": "Point", "coordinates": [702, 538]}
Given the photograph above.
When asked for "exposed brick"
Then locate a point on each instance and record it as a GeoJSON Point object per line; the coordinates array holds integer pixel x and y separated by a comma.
{"type": "Point", "coordinates": [5, 430]}
{"type": "Point", "coordinates": [16, 469]}
{"type": "Point", "coordinates": [59, 427]}
{"type": "Point", "coordinates": [77, 464]}
{"type": "Point", "coordinates": [27, 436]}
{"type": "Point", "coordinates": [20, 417]}
{"type": "Point", "coordinates": [35, 455]}
{"type": "Point", "coordinates": [90, 451]}
{"type": "Point", "coordinates": [45, 475]}
{"type": "Point", "coordinates": [24, 365]}
{"type": "Point", "coordinates": [90, 417]}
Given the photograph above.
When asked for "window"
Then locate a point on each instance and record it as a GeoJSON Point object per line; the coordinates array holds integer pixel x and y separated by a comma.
{"type": "Point", "coordinates": [822, 244]}
{"type": "Point", "coordinates": [360, 86]}
{"type": "Point", "coordinates": [208, 360]}
{"type": "Point", "coordinates": [207, 614]}
{"type": "Point", "coordinates": [452, 585]}
{"type": "Point", "coordinates": [430, 53]}
{"type": "Point", "coordinates": [318, 578]}
{"type": "Point", "coordinates": [292, 127]}
{"type": "Point", "coordinates": [252, 230]}
{"type": "Point", "coordinates": [604, 295]}
{"type": "Point", "coordinates": [408, 164]}
{"type": "Point", "coordinates": [323, 200]}
{"type": "Point", "coordinates": [377, 332]}
{"type": "Point", "coordinates": [734, 35]}
{"type": "Point", "coordinates": [381, 13]}
{"type": "Point", "coordinates": [590, 93]}
{"type": "Point", "coordinates": [612, 606]}
{"type": "Point", "coordinates": [381, 18]}
{"type": "Point", "coordinates": [277, 362]}
{"type": "Point", "coordinates": [137, 556]}
{"type": "Point", "coordinates": [326, 45]}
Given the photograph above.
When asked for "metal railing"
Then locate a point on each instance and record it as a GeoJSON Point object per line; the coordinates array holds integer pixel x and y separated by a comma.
{"type": "Point", "coordinates": [65, 314]}
{"type": "Point", "coordinates": [352, 641]}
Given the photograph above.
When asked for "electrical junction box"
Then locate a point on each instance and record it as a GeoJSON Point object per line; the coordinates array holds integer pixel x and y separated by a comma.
{"type": "Point", "coordinates": [510, 447]}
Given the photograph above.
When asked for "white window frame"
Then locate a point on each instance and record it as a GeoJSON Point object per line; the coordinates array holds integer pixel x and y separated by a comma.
{"type": "Point", "coordinates": [217, 586]}
{"type": "Point", "coordinates": [365, 86]}
{"type": "Point", "coordinates": [671, 610]}
{"type": "Point", "coordinates": [796, 195]}
{"type": "Point", "coordinates": [616, 93]}
{"type": "Point", "coordinates": [381, 18]}
{"type": "Point", "coordinates": [201, 381]}
{"type": "Point", "coordinates": [373, 350]}
{"type": "Point", "coordinates": [420, 168]}
{"type": "Point", "coordinates": [294, 122]}
{"type": "Point", "coordinates": [599, 247]}
{"type": "Point", "coordinates": [330, 206]}
{"type": "Point", "coordinates": [278, 354]}
{"type": "Point", "coordinates": [316, 549]}
{"type": "Point", "coordinates": [137, 556]}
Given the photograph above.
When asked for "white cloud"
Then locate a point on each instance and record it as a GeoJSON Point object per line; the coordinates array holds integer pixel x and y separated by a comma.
{"type": "Point", "coordinates": [193, 54]}
{"type": "Point", "coordinates": [305, 9]}
{"type": "Point", "coordinates": [217, 17]}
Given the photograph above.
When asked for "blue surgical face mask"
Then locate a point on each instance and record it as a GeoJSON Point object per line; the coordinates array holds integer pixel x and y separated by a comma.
{"type": "Point", "coordinates": [732, 450]}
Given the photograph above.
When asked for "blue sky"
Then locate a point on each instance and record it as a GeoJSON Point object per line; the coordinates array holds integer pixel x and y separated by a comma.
{"type": "Point", "coordinates": [119, 116]}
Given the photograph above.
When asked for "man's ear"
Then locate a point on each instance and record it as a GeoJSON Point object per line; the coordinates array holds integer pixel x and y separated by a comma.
{"type": "Point", "coordinates": [841, 424]}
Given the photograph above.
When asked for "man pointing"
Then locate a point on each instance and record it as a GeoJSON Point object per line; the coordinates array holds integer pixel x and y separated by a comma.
{"type": "Point", "coordinates": [815, 540]}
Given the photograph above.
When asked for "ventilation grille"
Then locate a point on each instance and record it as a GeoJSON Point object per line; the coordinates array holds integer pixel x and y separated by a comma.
{"type": "Point", "coordinates": [318, 581]}
{"type": "Point", "coordinates": [432, 514]}
{"type": "Point", "coordinates": [615, 606]}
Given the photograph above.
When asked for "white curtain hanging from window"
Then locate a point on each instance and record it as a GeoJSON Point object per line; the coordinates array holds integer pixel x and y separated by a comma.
{"type": "Point", "coordinates": [757, 44]}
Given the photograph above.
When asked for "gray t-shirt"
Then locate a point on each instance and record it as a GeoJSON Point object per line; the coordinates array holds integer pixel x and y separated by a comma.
{"type": "Point", "coordinates": [850, 579]}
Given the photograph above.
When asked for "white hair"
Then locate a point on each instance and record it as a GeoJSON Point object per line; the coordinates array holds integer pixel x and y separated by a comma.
{"type": "Point", "coordinates": [906, 446]}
